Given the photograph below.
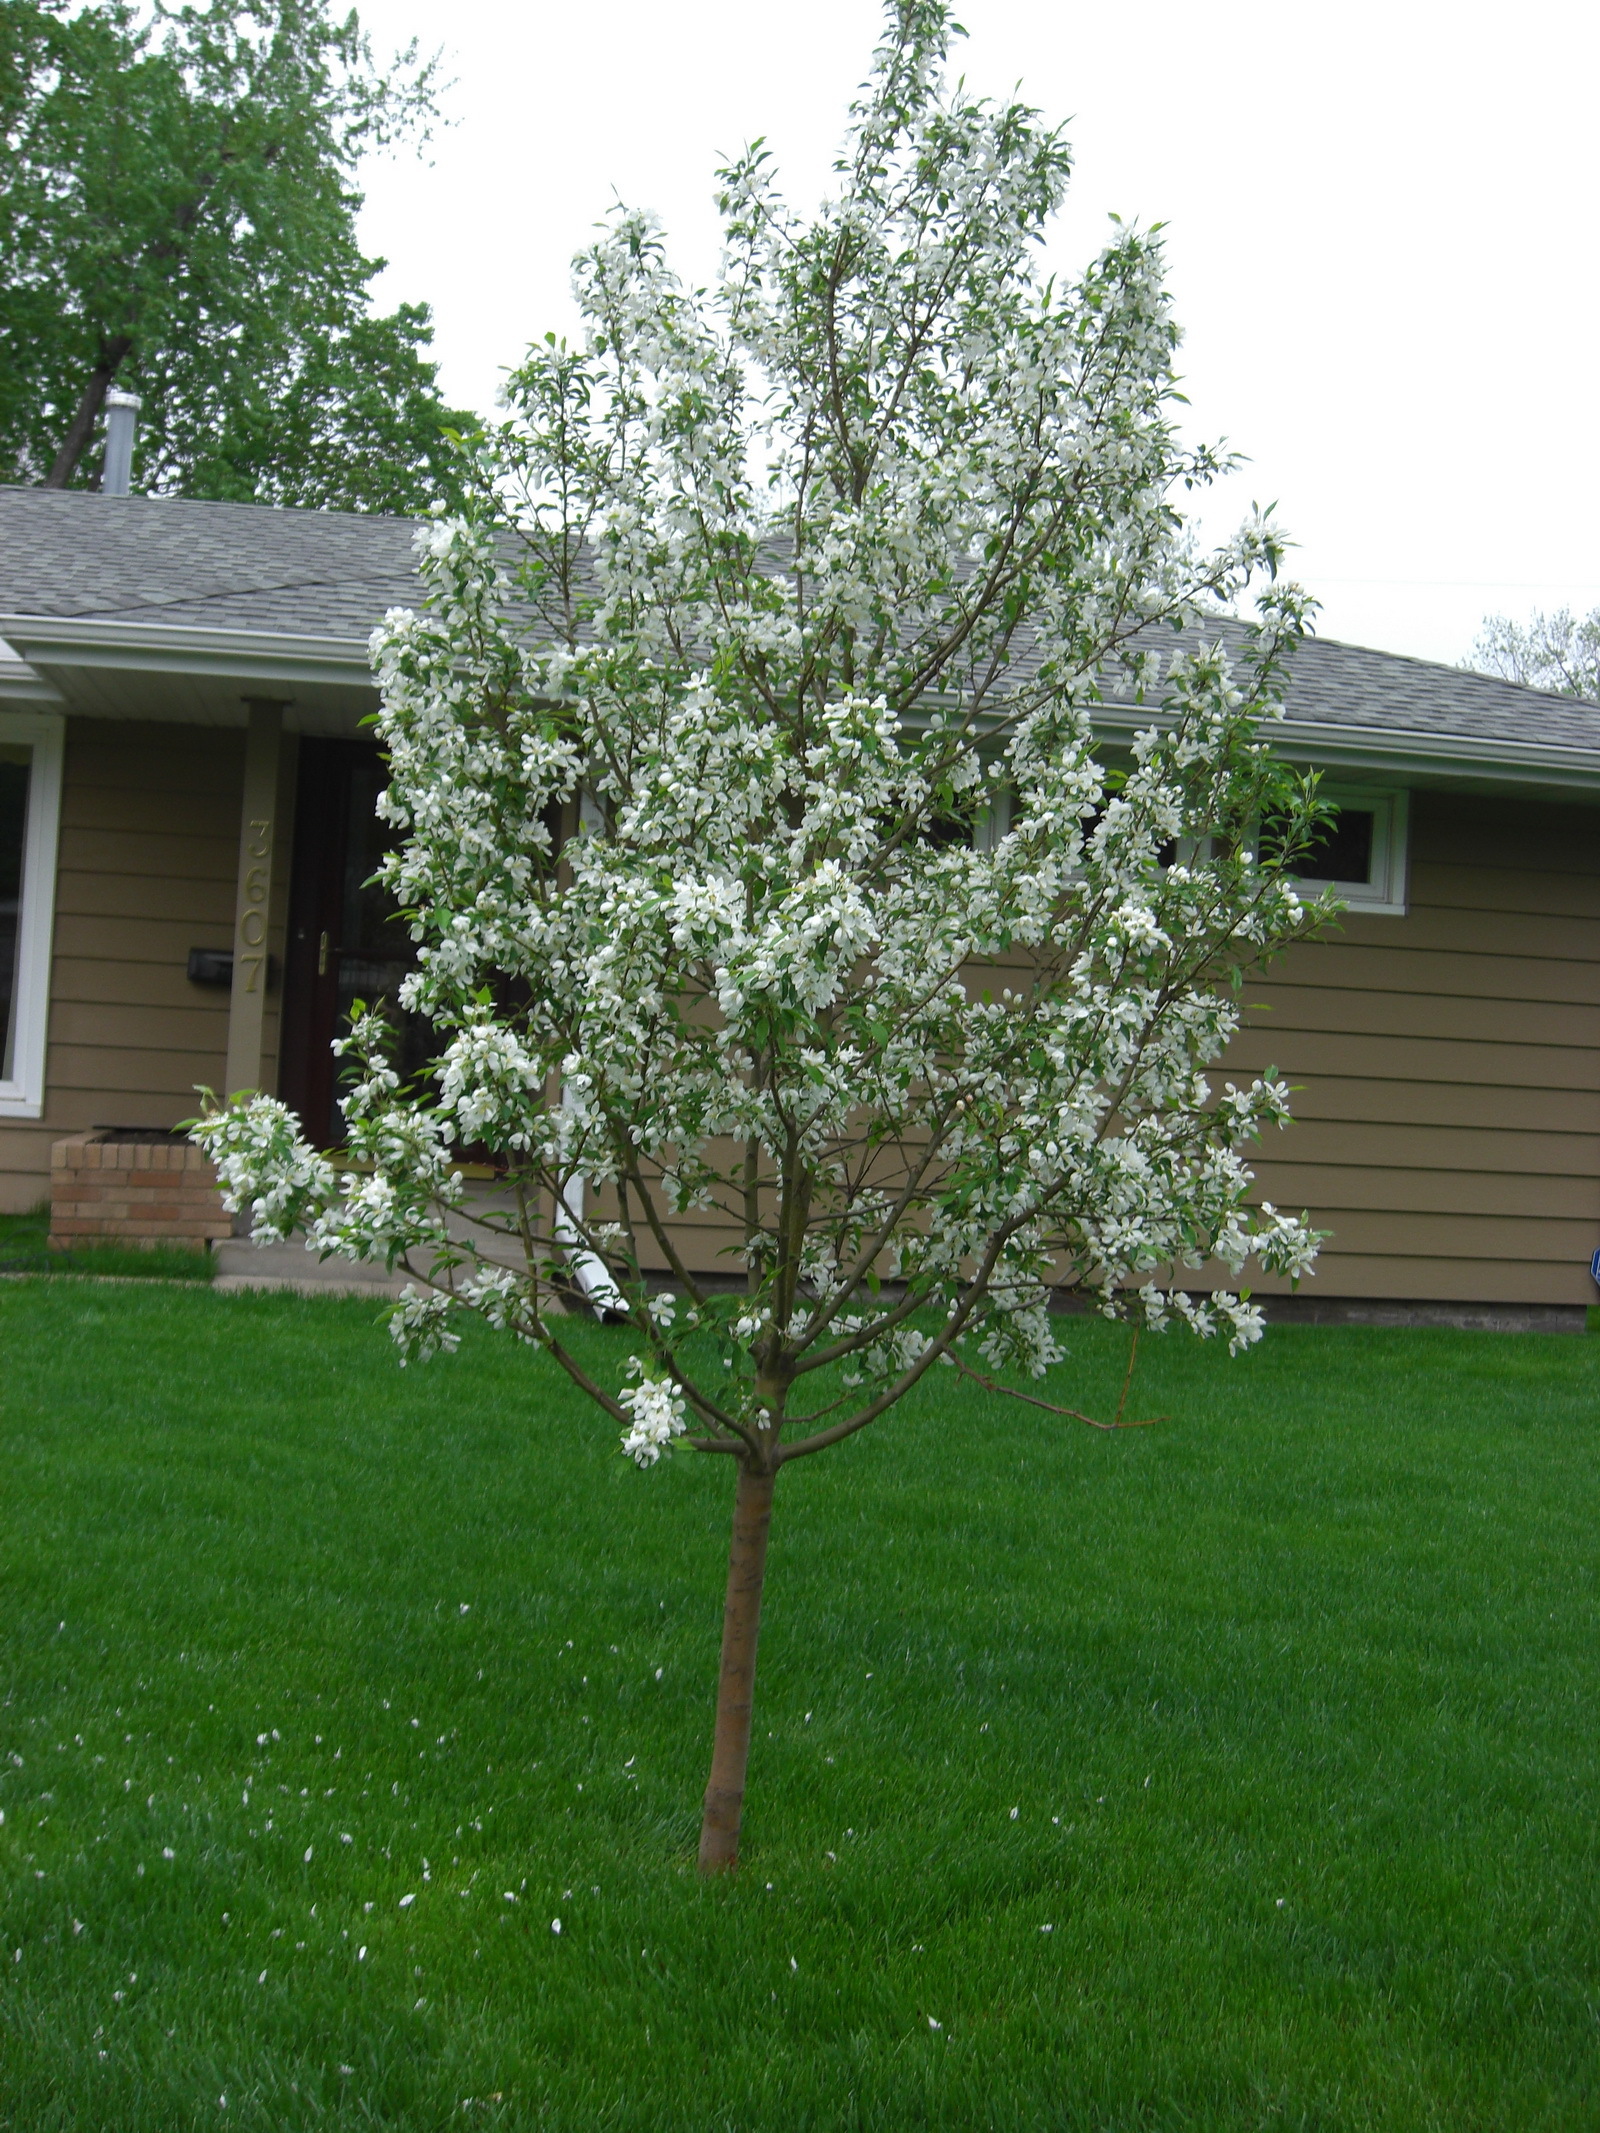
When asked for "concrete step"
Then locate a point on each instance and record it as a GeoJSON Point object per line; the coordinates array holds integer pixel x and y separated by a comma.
{"type": "Point", "coordinates": [243, 1265]}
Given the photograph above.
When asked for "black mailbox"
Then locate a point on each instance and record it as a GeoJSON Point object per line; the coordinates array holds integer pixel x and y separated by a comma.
{"type": "Point", "coordinates": [214, 966]}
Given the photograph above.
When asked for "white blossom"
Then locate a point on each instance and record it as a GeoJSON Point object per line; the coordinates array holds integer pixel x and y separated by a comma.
{"type": "Point", "coordinates": [768, 858]}
{"type": "Point", "coordinates": [655, 1410]}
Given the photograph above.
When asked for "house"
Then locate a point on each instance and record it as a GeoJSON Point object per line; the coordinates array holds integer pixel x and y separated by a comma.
{"type": "Point", "coordinates": [187, 828]}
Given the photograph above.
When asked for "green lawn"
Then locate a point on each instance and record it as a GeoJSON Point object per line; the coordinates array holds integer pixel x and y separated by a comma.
{"type": "Point", "coordinates": [1241, 1773]}
{"type": "Point", "coordinates": [25, 1249]}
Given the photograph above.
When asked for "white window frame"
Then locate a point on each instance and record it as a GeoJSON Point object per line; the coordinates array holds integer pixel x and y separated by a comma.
{"type": "Point", "coordinates": [43, 734]}
{"type": "Point", "coordinates": [1384, 896]}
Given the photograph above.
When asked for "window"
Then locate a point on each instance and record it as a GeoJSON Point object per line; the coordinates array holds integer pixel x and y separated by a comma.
{"type": "Point", "coordinates": [1362, 853]}
{"type": "Point", "coordinates": [30, 806]}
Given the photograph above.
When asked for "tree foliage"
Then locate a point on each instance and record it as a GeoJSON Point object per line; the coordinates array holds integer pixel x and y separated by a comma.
{"type": "Point", "coordinates": [1559, 651]}
{"type": "Point", "coordinates": [767, 867]}
{"type": "Point", "coordinates": [177, 217]}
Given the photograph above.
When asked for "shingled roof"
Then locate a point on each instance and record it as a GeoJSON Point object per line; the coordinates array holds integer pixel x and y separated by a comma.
{"type": "Point", "coordinates": [139, 559]}
{"type": "Point", "coordinates": [140, 568]}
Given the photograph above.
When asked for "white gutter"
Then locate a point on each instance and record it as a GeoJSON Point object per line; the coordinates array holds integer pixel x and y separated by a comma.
{"type": "Point", "coordinates": [167, 648]}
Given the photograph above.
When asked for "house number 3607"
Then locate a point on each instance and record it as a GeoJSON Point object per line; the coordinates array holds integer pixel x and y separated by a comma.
{"type": "Point", "coordinates": [253, 922]}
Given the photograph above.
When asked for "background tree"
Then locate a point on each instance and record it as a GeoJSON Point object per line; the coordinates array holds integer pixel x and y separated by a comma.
{"type": "Point", "coordinates": [762, 857]}
{"type": "Point", "coordinates": [177, 216]}
{"type": "Point", "coordinates": [1559, 651]}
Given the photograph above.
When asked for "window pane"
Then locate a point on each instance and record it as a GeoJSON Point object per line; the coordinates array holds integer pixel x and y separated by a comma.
{"type": "Point", "coordinates": [13, 821]}
{"type": "Point", "coordinates": [1343, 852]}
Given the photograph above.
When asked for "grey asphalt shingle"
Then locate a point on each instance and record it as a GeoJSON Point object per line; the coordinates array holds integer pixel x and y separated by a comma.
{"type": "Point", "coordinates": [201, 565]}
{"type": "Point", "coordinates": [1350, 686]}
{"type": "Point", "coordinates": [333, 574]}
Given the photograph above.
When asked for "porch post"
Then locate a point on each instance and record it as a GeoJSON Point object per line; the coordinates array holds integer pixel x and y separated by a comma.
{"type": "Point", "coordinates": [253, 896]}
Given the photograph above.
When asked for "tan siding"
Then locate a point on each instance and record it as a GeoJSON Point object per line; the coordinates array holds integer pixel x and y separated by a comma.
{"type": "Point", "coordinates": [155, 979]}
{"type": "Point", "coordinates": [1448, 1113]}
{"type": "Point", "coordinates": [149, 851]}
{"type": "Point", "coordinates": [1297, 1003]}
{"type": "Point", "coordinates": [1443, 1103]}
{"type": "Point", "coordinates": [1460, 974]}
{"type": "Point", "coordinates": [1509, 891]}
{"type": "Point", "coordinates": [1415, 1277]}
{"type": "Point", "coordinates": [199, 901]}
{"type": "Point", "coordinates": [151, 1070]}
{"type": "Point", "coordinates": [88, 937]}
{"type": "Point", "coordinates": [1541, 1157]}
{"type": "Point", "coordinates": [102, 1026]}
{"type": "Point", "coordinates": [87, 854]}
{"type": "Point", "coordinates": [1384, 1055]}
{"type": "Point", "coordinates": [1444, 927]}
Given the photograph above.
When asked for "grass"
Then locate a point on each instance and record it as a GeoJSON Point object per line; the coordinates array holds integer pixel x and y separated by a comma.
{"type": "Point", "coordinates": [25, 1249]}
{"type": "Point", "coordinates": [1281, 1719]}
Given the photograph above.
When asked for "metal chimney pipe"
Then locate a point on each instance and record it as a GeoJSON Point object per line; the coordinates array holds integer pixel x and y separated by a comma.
{"type": "Point", "coordinates": [122, 421]}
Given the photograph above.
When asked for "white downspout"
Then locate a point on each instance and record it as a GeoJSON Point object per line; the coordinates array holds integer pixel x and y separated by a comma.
{"type": "Point", "coordinates": [589, 1271]}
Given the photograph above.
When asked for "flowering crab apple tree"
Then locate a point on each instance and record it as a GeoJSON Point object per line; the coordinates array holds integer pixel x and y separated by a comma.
{"type": "Point", "coordinates": [763, 860]}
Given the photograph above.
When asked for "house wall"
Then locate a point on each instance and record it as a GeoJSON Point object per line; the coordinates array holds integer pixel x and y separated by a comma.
{"type": "Point", "coordinates": [1447, 1127]}
{"type": "Point", "coordinates": [147, 870]}
{"type": "Point", "coordinates": [1447, 1069]}
{"type": "Point", "coordinates": [1447, 1123]}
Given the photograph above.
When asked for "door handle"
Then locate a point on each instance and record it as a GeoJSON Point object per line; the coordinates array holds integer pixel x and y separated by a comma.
{"type": "Point", "coordinates": [322, 957]}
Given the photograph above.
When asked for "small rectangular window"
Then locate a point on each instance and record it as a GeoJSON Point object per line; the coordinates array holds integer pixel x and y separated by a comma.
{"type": "Point", "coordinates": [1361, 854]}
{"type": "Point", "coordinates": [30, 804]}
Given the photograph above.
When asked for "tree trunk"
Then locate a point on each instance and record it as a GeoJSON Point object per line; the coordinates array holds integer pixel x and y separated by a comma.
{"type": "Point", "coordinates": [741, 1624]}
{"type": "Point", "coordinates": [81, 429]}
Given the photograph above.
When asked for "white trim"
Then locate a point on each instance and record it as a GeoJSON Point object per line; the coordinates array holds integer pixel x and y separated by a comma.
{"type": "Point", "coordinates": [1383, 893]}
{"type": "Point", "coordinates": [23, 1095]}
{"type": "Point", "coordinates": [174, 648]}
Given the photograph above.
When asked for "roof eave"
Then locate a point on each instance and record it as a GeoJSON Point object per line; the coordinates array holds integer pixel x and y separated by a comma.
{"type": "Point", "coordinates": [165, 648]}
{"type": "Point", "coordinates": [23, 684]}
{"type": "Point", "coordinates": [1401, 753]}
{"type": "Point", "coordinates": [281, 658]}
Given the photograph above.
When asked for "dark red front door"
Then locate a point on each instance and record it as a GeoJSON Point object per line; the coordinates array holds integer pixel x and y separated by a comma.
{"type": "Point", "coordinates": [345, 941]}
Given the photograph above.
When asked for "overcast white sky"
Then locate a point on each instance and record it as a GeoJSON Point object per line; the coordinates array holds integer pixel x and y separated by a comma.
{"type": "Point", "coordinates": [1382, 235]}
